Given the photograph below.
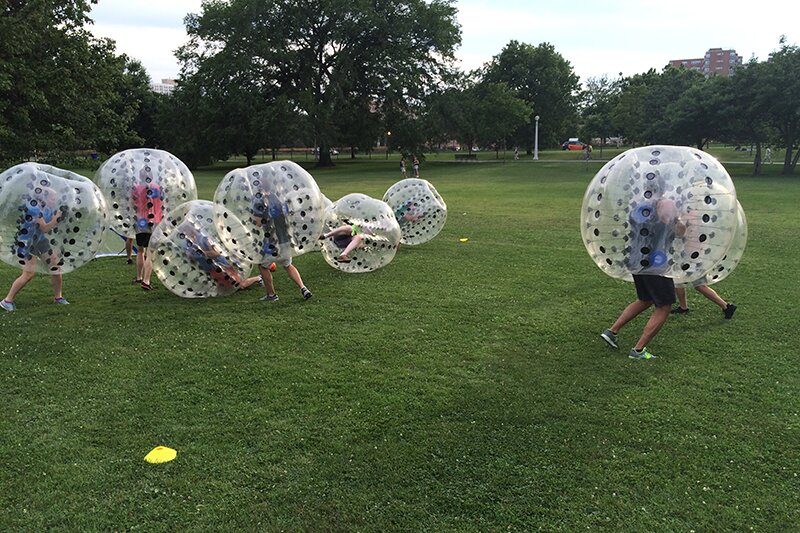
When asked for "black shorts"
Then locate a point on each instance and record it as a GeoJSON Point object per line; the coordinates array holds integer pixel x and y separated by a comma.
{"type": "Point", "coordinates": [656, 289]}
{"type": "Point", "coordinates": [143, 240]}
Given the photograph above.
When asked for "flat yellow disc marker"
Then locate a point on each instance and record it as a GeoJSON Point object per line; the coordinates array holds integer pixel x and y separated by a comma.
{"type": "Point", "coordinates": [464, 239]}
{"type": "Point", "coordinates": [160, 454]}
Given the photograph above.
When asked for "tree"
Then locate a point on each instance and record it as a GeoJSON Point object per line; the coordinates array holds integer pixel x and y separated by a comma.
{"type": "Point", "coordinates": [698, 115]}
{"type": "Point", "coordinates": [543, 79]}
{"type": "Point", "coordinates": [323, 53]}
{"type": "Point", "coordinates": [779, 89]}
{"type": "Point", "coordinates": [599, 98]}
{"type": "Point", "coordinates": [60, 88]}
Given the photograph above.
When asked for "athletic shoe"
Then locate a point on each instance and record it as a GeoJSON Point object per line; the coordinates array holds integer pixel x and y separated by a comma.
{"type": "Point", "coordinates": [60, 301]}
{"type": "Point", "coordinates": [679, 311]}
{"type": "Point", "coordinates": [644, 354]}
{"type": "Point", "coordinates": [269, 298]}
{"type": "Point", "coordinates": [146, 286]}
{"type": "Point", "coordinates": [729, 311]}
{"type": "Point", "coordinates": [343, 259]}
{"type": "Point", "coordinates": [130, 261]}
{"type": "Point", "coordinates": [306, 293]}
{"type": "Point", "coordinates": [136, 281]}
{"type": "Point", "coordinates": [8, 306]}
{"type": "Point", "coordinates": [610, 337]}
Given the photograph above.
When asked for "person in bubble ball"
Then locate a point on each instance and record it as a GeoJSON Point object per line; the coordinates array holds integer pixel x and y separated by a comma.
{"type": "Point", "coordinates": [653, 227]}
{"type": "Point", "coordinates": [147, 201]}
{"type": "Point", "coordinates": [348, 237]}
{"type": "Point", "coordinates": [39, 217]}
{"type": "Point", "coordinates": [205, 253]}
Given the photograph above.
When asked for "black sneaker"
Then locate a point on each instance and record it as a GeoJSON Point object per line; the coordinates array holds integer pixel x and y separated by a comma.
{"type": "Point", "coordinates": [306, 293]}
{"type": "Point", "coordinates": [679, 311]}
{"type": "Point", "coordinates": [729, 311]}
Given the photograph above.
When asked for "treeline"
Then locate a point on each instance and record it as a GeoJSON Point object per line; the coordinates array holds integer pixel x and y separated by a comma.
{"type": "Point", "coordinates": [258, 75]}
{"type": "Point", "coordinates": [759, 105]}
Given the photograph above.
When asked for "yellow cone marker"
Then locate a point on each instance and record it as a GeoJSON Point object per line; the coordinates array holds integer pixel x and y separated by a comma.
{"type": "Point", "coordinates": [160, 454]}
{"type": "Point", "coordinates": [464, 239]}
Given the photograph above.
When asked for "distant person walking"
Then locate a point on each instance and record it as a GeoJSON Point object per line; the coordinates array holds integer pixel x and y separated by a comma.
{"type": "Point", "coordinates": [516, 153]}
{"type": "Point", "coordinates": [415, 166]}
{"type": "Point", "coordinates": [403, 168]}
{"type": "Point", "coordinates": [768, 155]}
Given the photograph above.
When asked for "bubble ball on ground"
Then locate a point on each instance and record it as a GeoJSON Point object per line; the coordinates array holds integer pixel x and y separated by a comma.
{"type": "Point", "coordinates": [279, 203]}
{"type": "Point", "coordinates": [141, 185]}
{"type": "Point", "coordinates": [194, 258]}
{"type": "Point", "coordinates": [731, 259]}
{"type": "Point", "coordinates": [659, 210]}
{"type": "Point", "coordinates": [51, 220]}
{"type": "Point", "coordinates": [371, 222]}
{"type": "Point", "coordinates": [418, 208]}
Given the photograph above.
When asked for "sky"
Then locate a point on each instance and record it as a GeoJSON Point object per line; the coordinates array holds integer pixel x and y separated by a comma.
{"type": "Point", "coordinates": [608, 38]}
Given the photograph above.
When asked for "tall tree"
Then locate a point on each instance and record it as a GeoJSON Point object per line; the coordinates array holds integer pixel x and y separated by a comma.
{"type": "Point", "coordinates": [780, 88]}
{"type": "Point", "coordinates": [60, 88]}
{"type": "Point", "coordinates": [542, 78]}
{"type": "Point", "coordinates": [598, 99]}
{"type": "Point", "coordinates": [319, 53]}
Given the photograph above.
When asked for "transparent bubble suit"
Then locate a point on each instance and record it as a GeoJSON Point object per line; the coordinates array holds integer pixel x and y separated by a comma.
{"type": "Point", "coordinates": [51, 220]}
{"type": "Point", "coordinates": [142, 185]}
{"type": "Point", "coordinates": [279, 203]}
{"type": "Point", "coordinates": [194, 257]}
{"type": "Point", "coordinates": [418, 208]}
{"type": "Point", "coordinates": [375, 221]}
{"type": "Point", "coordinates": [660, 210]}
{"type": "Point", "coordinates": [732, 258]}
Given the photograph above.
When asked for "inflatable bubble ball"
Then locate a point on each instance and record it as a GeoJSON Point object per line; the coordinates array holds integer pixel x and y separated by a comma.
{"type": "Point", "coordinates": [659, 210]}
{"type": "Point", "coordinates": [361, 234]}
{"type": "Point", "coordinates": [141, 185]}
{"type": "Point", "coordinates": [193, 259]}
{"type": "Point", "coordinates": [728, 263]}
{"type": "Point", "coordinates": [279, 203]}
{"type": "Point", "coordinates": [418, 208]}
{"type": "Point", "coordinates": [51, 220]}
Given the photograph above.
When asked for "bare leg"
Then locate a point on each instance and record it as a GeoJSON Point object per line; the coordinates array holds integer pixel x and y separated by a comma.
{"type": "Point", "coordinates": [355, 242]}
{"type": "Point", "coordinates": [341, 230]}
{"type": "Point", "coordinates": [139, 266]}
{"type": "Point", "coordinates": [680, 292]}
{"type": "Point", "coordinates": [147, 267]}
{"type": "Point", "coordinates": [18, 284]}
{"type": "Point", "coordinates": [248, 282]}
{"type": "Point", "coordinates": [57, 283]}
{"type": "Point", "coordinates": [294, 275]}
{"type": "Point", "coordinates": [266, 276]}
{"type": "Point", "coordinates": [129, 249]}
{"type": "Point", "coordinates": [657, 319]}
{"type": "Point", "coordinates": [629, 313]}
{"type": "Point", "coordinates": [712, 295]}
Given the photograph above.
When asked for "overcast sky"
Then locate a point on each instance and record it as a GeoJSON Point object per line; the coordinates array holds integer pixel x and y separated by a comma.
{"type": "Point", "coordinates": [627, 36]}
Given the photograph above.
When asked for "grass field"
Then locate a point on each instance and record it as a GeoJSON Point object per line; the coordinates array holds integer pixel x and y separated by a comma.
{"type": "Point", "coordinates": [464, 387]}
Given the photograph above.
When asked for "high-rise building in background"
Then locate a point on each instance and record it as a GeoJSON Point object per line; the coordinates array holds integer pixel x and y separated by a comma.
{"type": "Point", "coordinates": [165, 87]}
{"type": "Point", "coordinates": [716, 62]}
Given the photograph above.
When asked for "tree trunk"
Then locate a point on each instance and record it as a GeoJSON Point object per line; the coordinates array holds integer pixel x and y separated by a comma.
{"type": "Point", "coordinates": [324, 155]}
{"type": "Point", "coordinates": [274, 153]}
{"type": "Point", "coordinates": [352, 152]}
{"type": "Point", "coordinates": [757, 160]}
{"type": "Point", "coordinates": [794, 161]}
{"type": "Point", "coordinates": [787, 161]}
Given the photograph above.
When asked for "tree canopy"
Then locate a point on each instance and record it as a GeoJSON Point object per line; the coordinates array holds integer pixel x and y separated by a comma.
{"type": "Point", "coordinates": [319, 55]}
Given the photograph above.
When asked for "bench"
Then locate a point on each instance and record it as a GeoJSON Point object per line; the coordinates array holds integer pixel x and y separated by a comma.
{"type": "Point", "coordinates": [465, 157]}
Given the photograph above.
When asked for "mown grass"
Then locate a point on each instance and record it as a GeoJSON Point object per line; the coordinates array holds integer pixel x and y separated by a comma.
{"type": "Point", "coordinates": [461, 388]}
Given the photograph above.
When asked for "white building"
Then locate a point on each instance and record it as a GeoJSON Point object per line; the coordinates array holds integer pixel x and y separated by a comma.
{"type": "Point", "coordinates": [165, 87]}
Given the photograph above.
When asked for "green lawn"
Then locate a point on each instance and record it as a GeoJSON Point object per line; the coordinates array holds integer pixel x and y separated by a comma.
{"type": "Point", "coordinates": [464, 387]}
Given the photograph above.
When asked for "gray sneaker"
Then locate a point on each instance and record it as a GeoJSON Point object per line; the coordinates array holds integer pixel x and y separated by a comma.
{"type": "Point", "coordinates": [60, 301]}
{"type": "Point", "coordinates": [610, 337]}
{"type": "Point", "coordinates": [644, 354]}
{"type": "Point", "coordinates": [270, 298]}
{"type": "Point", "coordinates": [8, 306]}
{"type": "Point", "coordinates": [306, 293]}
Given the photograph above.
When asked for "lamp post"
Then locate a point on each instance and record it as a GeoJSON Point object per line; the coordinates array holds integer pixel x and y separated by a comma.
{"type": "Point", "coordinates": [388, 139]}
{"type": "Point", "coordinates": [536, 139]}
